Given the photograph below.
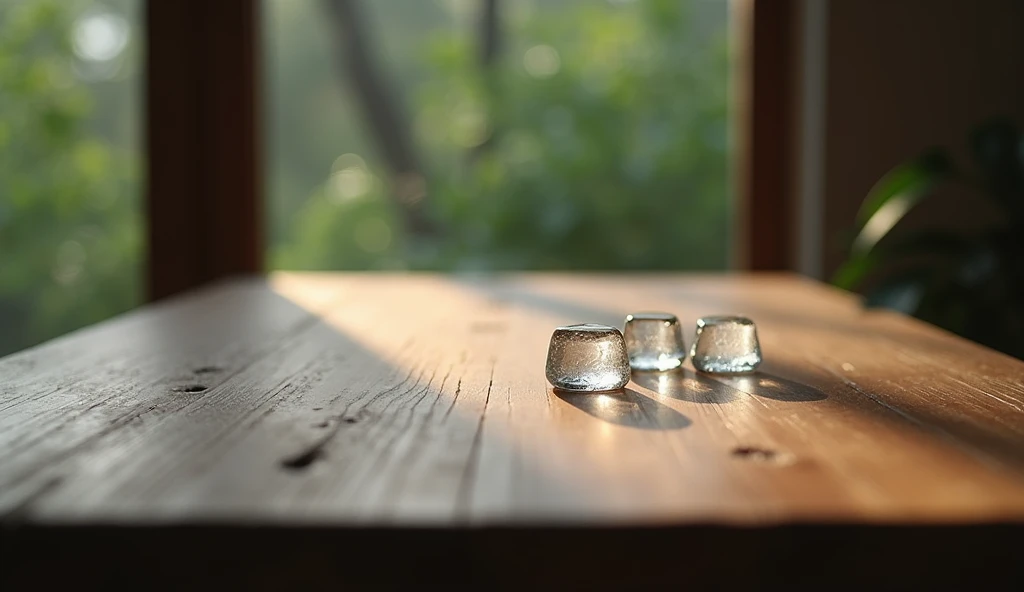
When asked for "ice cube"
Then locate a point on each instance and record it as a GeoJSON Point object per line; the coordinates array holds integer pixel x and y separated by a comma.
{"type": "Point", "coordinates": [726, 345]}
{"type": "Point", "coordinates": [587, 358]}
{"type": "Point", "coordinates": [654, 341]}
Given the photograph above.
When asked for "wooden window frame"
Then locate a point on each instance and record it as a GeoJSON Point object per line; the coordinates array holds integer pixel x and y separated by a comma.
{"type": "Point", "coordinates": [765, 33]}
{"type": "Point", "coordinates": [204, 197]}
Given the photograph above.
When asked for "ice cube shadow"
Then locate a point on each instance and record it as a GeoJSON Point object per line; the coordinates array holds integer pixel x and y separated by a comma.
{"type": "Point", "coordinates": [684, 384]}
{"type": "Point", "coordinates": [626, 407]}
{"type": "Point", "coordinates": [772, 386]}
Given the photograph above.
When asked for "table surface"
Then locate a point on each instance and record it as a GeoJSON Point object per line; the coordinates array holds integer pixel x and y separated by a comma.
{"type": "Point", "coordinates": [420, 400]}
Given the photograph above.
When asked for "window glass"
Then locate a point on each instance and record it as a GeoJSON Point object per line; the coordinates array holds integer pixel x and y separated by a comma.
{"type": "Point", "coordinates": [490, 134]}
{"type": "Point", "coordinates": [70, 231]}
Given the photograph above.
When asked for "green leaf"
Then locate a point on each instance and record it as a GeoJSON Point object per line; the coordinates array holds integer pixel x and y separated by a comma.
{"type": "Point", "coordinates": [853, 271]}
{"type": "Point", "coordinates": [895, 195]}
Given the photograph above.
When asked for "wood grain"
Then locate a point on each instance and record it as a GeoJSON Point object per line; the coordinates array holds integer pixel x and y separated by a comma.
{"type": "Point", "coordinates": [383, 401]}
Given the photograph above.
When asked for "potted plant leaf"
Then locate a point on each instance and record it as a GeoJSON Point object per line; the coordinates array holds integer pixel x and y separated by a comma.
{"type": "Point", "coordinates": [968, 283]}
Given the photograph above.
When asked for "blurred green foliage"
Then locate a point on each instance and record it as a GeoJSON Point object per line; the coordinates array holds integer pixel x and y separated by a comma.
{"type": "Point", "coordinates": [69, 232]}
{"type": "Point", "coordinates": [598, 140]}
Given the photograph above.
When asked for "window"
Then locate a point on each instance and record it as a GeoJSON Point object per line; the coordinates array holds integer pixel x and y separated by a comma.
{"type": "Point", "coordinates": [70, 228]}
{"type": "Point", "coordinates": [489, 135]}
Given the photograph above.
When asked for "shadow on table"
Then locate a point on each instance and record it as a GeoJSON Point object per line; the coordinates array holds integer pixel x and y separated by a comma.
{"type": "Point", "coordinates": [626, 408]}
{"type": "Point", "coordinates": [772, 386]}
{"type": "Point", "coordinates": [684, 384]}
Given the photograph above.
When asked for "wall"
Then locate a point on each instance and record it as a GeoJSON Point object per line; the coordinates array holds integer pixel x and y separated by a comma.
{"type": "Point", "coordinates": [905, 75]}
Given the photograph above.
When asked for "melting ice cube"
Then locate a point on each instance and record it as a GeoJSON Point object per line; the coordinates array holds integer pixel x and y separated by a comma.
{"type": "Point", "coordinates": [587, 358]}
{"type": "Point", "coordinates": [654, 341]}
{"type": "Point", "coordinates": [726, 345]}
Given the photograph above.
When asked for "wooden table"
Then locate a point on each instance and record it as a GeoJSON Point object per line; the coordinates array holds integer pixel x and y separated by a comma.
{"type": "Point", "coordinates": [393, 428]}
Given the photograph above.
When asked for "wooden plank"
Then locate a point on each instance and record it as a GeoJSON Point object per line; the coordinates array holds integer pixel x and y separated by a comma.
{"type": "Point", "coordinates": [362, 416]}
{"type": "Point", "coordinates": [61, 399]}
{"type": "Point", "coordinates": [420, 400]}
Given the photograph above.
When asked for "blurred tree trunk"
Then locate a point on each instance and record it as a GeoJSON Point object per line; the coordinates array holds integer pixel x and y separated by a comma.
{"type": "Point", "coordinates": [383, 113]}
{"type": "Point", "coordinates": [489, 40]}
{"type": "Point", "coordinates": [490, 33]}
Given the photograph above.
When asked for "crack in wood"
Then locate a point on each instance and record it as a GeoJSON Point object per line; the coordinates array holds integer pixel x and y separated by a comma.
{"type": "Point", "coordinates": [440, 390]}
{"type": "Point", "coordinates": [462, 496]}
{"type": "Point", "coordinates": [386, 391]}
{"type": "Point", "coordinates": [409, 457]}
{"type": "Point", "coordinates": [70, 418]}
{"type": "Point", "coordinates": [455, 399]}
{"type": "Point", "coordinates": [129, 417]}
{"type": "Point", "coordinates": [967, 447]}
{"type": "Point", "coordinates": [858, 389]}
{"type": "Point", "coordinates": [763, 455]}
{"type": "Point", "coordinates": [316, 451]}
{"type": "Point", "coordinates": [303, 460]}
{"type": "Point", "coordinates": [15, 401]}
